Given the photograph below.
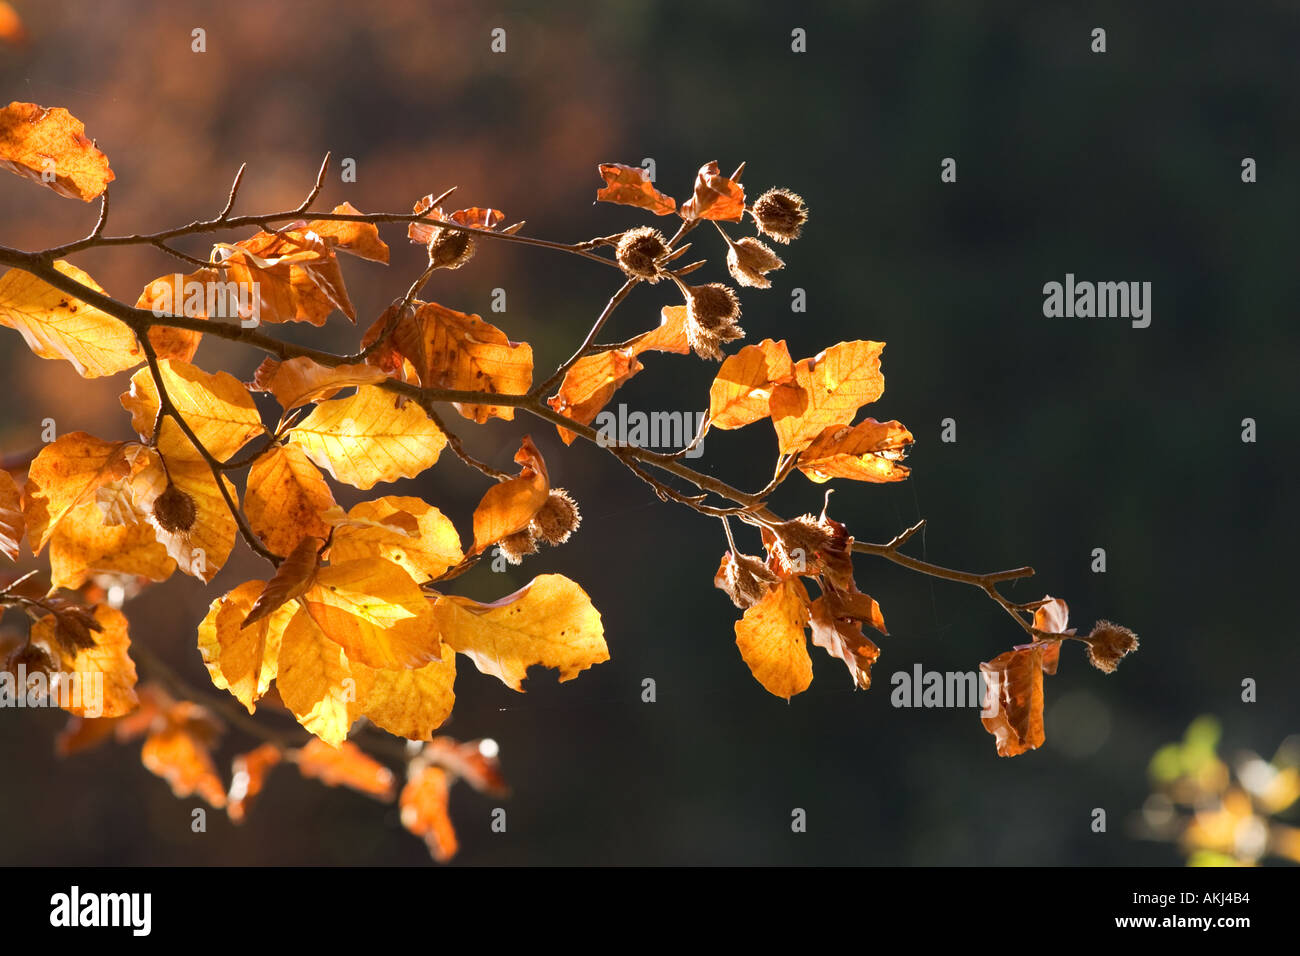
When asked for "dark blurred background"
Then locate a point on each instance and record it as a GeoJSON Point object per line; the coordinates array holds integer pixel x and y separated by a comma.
{"type": "Point", "coordinates": [1073, 434]}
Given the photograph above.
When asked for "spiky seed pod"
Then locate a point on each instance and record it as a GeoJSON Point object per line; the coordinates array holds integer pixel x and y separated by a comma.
{"type": "Point", "coordinates": [515, 546]}
{"type": "Point", "coordinates": [749, 261]}
{"type": "Point", "coordinates": [780, 214]}
{"type": "Point", "coordinates": [744, 578]}
{"type": "Point", "coordinates": [711, 313]}
{"type": "Point", "coordinates": [639, 251]}
{"type": "Point", "coordinates": [450, 248]}
{"type": "Point", "coordinates": [1108, 643]}
{"type": "Point", "coordinates": [557, 519]}
{"type": "Point", "coordinates": [174, 510]}
{"type": "Point", "coordinates": [805, 534]}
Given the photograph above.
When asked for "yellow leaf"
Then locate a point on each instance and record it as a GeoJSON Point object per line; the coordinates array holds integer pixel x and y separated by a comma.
{"type": "Point", "coordinates": [510, 505]}
{"type": "Point", "coordinates": [424, 553]}
{"type": "Point", "coordinates": [549, 622]}
{"type": "Point", "coordinates": [288, 499]}
{"type": "Point", "coordinates": [454, 350]}
{"type": "Point", "coordinates": [12, 524]}
{"type": "Point", "coordinates": [203, 549]}
{"type": "Point", "coordinates": [827, 390]}
{"type": "Point", "coordinates": [869, 451]}
{"type": "Point", "coordinates": [772, 642]}
{"type": "Point", "coordinates": [300, 381]}
{"type": "Point", "coordinates": [375, 612]}
{"type": "Point", "coordinates": [66, 473]}
{"type": "Point", "coordinates": [36, 142]}
{"type": "Point", "coordinates": [743, 387]}
{"type": "Point", "coordinates": [370, 437]}
{"type": "Point", "coordinates": [411, 702]}
{"type": "Point", "coordinates": [242, 660]}
{"type": "Point", "coordinates": [217, 408]}
{"type": "Point", "coordinates": [83, 543]}
{"type": "Point", "coordinates": [315, 680]}
{"type": "Point", "coordinates": [103, 673]}
{"type": "Point", "coordinates": [57, 326]}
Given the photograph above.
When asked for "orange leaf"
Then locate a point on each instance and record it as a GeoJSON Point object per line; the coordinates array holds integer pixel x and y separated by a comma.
{"type": "Point", "coordinates": [248, 774]}
{"type": "Point", "coordinates": [631, 186]}
{"type": "Point", "coordinates": [743, 387]}
{"type": "Point", "coordinates": [243, 657]}
{"type": "Point", "coordinates": [175, 295]}
{"type": "Point", "coordinates": [827, 390]}
{"type": "Point", "coordinates": [837, 619]}
{"type": "Point", "coordinates": [375, 612]}
{"type": "Point", "coordinates": [409, 702]}
{"type": "Point", "coordinates": [288, 499]}
{"type": "Point", "coordinates": [347, 766]}
{"type": "Point", "coordinates": [315, 680]}
{"type": "Point", "coordinates": [295, 276]}
{"type": "Point", "coordinates": [716, 197]}
{"type": "Point", "coordinates": [36, 142]}
{"type": "Point", "coordinates": [359, 238]}
{"type": "Point", "coordinates": [424, 811]}
{"type": "Point", "coordinates": [300, 381]}
{"type": "Point", "coordinates": [12, 523]}
{"type": "Point", "coordinates": [454, 350]}
{"type": "Point", "coordinates": [179, 752]}
{"type": "Point", "coordinates": [216, 406]}
{"type": "Point", "coordinates": [474, 761]}
{"type": "Point", "coordinates": [869, 451]}
{"type": "Point", "coordinates": [772, 642]}
{"type": "Point", "coordinates": [57, 326]}
{"type": "Point", "coordinates": [510, 505]}
{"type": "Point", "coordinates": [65, 474]}
{"type": "Point", "coordinates": [101, 677]}
{"type": "Point", "coordinates": [425, 549]}
{"type": "Point", "coordinates": [201, 550]}
{"type": "Point", "coordinates": [292, 579]}
{"type": "Point", "coordinates": [1014, 697]}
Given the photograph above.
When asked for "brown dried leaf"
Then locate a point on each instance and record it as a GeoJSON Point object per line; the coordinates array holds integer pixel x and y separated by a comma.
{"type": "Point", "coordinates": [631, 186]}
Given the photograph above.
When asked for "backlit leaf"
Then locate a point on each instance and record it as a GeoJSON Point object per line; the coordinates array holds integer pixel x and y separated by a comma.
{"type": "Point", "coordinates": [1014, 697]}
{"type": "Point", "coordinates": [424, 550]}
{"type": "Point", "coordinates": [315, 680]}
{"type": "Point", "coordinates": [827, 390]}
{"type": "Point", "coordinates": [242, 659]}
{"type": "Point", "coordinates": [376, 612]}
{"type": "Point", "coordinates": [743, 387]}
{"type": "Point", "coordinates": [510, 505]}
{"type": "Point", "coordinates": [424, 811]}
{"type": "Point", "coordinates": [715, 197]}
{"type": "Point", "coordinates": [868, 451]}
{"type": "Point", "coordinates": [772, 641]}
{"type": "Point", "coordinates": [300, 381]}
{"type": "Point", "coordinates": [35, 141]}
{"type": "Point", "coordinates": [346, 766]}
{"type": "Point", "coordinates": [101, 670]}
{"type": "Point", "coordinates": [549, 622]}
{"type": "Point", "coordinates": [217, 407]}
{"type": "Point", "coordinates": [631, 186]}
{"type": "Point", "coordinates": [288, 499]}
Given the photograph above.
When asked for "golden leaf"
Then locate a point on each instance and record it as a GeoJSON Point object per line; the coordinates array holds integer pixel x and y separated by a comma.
{"type": "Point", "coordinates": [217, 407]}
{"type": "Point", "coordinates": [242, 659]}
{"type": "Point", "coordinates": [375, 612]}
{"type": "Point", "coordinates": [869, 451]}
{"type": "Point", "coordinates": [105, 660]}
{"type": "Point", "coordinates": [743, 387]}
{"type": "Point", "coordinates": [772, 641]}
{"type": "Point", "coordinates": [510, 505]}
{"type": "Point", "coordinates": [66, 473]}
{"type": "Point", "coordinates": [288, 499]}
{"type": "Point", "coordinates": [412, 702]}
{"type": "Point", "coordinates": [425, 550]}
{"type": "Point", "coordinates": [424, 811]}
{"type": "Point", "coordinates": [549, 622]}
{"type": "Point", "coordinates": [12, 524]}
{"type": "Point", "coordinates": [57, 326]}
{"type": "Point", "coordinates": [300, 381]}
{"type": "Point", "coordinates": [369, 437]}
{"type": "Point", "coordinates": [827, 390]}
{"type": "Point", "coordinates": [35, 142]}
{"type": "Point", "coordinates": [315, 680]}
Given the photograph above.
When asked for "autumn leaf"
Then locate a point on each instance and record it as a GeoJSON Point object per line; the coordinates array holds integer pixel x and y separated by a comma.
{"type": "Point", "coordinates": [248, 773]}
{"type": "Point", "coordinates": [591, 382]}
{"type": "Point", "coordinates": [301, 381]}
{"type": "Point", "coordinates": [424, 811]}
{"type": "Point", "coordinates": [65, 474]}
{"type": "Point", "coordinates": [631, 186]}
{"type": "Point", "coordinates": [375, 612]}
{"type": "Point", "coordinates": [837, 619]}
{"type": "Point", "coordinates": [36, 142]}
{"type": "Point", "coordinates": [85, 543]}
{"type": "Point", "coordinates": [293, 577]}
{"type": "Point", "coordinates": [453, 350]}
{"type": "Point", "coordinates": [12, 523]}
{"type": "Point", "coordinates": [217, 407]}
{"type": "Point", "coordinates": [549, 622]}
{"type": "Point", "coordinates": [868, 451]}
{"type": "Point", "coordinates": [510, 505]}
{"type": "Point", "coordinates": [369, 437]}
{"type": "Point", "coordinates": [772, 641]}
{"type": "Point", "coordinates": [294, 273]}
{"type": "Point", "coordinates": [428, 548]}
{"type": "Point", "coordinates": [243, 657]}
{"type": "Point", "coordinates": [409, 702]}
{"type": "Point", "coordinates": [715, 197]}
{"type": "Point", "coordinates": [474, 761]}
{"type": "Point", "coordinates": [288, 499]}
{"type": "Point", "coordinates": [1050, 618]}
{"type": "Point", "coordinates": [105, 659]}
{"type": "Point", "coordinates": [358, 238]}
{"type": "Point", "coordinates": [201, 550]}
{"type": "Point", "coordinates": [180, 753]}
{"type": "Point", "coordinates": [345, 766]}
{"type": "Point", "coordinates": [57, 326]}
{"type": "Point", "coordinates": [315, 680]}
{"type": "Point", "coordinates": [186, 295]}
{"type": "Point", "coordinates": [1014, 698]}
{"type": "Point", "coordinates": [743, 387]}
{"type": "Point", "coordinates": [827, 390]}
